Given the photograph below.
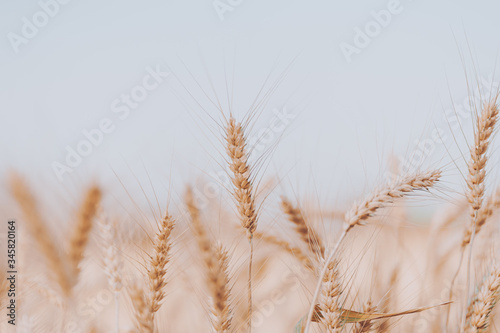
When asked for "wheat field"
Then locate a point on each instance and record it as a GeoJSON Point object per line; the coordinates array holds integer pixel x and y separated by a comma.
{"type": "Point", "coordinates": [263, 261]}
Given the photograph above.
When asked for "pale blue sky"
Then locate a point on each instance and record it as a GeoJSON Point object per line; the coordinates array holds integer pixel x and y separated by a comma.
{"type": "Point", "coordinates": [349, 116]}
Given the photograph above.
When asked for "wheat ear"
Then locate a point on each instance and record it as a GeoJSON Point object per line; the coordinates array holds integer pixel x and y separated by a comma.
{"type": "Point", "coordinates": [360, 212]}
{"type": "Point", "coordinates": [242, 190]}
{"type": "Point", "coordinates": [144, 317]}
{"type": "Point", "coordinates": [306, 232]}
{"type": "Point", "coordinates": [220, 289]}
{"type": "Point", "coordinates": [204, 243]}
{"type": "Point", "coordinates": [113, 264]}
{"type": "Point", "coordinates": [148, 302]}
{"type": "Point", "coordinates": [480, 309]}
{"type": "Point", "coordinates": [38, 228]}
{"type": "Point", "coordinates": [485, 125]}
{"type": "Point", "coordinates": [487, 210]}
{"type": "Point", "coordinates": [81, 232]}
{"type": "Point", "coordinates": [157, 265]}
{"type": "Point", "coordinates": [330, 303]}
{"type": "Point", "coordinates": [216, 265]}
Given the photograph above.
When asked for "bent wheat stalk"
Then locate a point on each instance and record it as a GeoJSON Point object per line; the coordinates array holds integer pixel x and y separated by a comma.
{"type": "Point", "coordinates": [359, 213]}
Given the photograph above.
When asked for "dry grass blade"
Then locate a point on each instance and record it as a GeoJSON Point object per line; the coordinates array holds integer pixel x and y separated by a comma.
{"type": "Point", "coordinates": [306, 233]}
{"type": "Point", "coordinates": [366, 326]}
{"type": "Point", "coordinates": [351, 317]}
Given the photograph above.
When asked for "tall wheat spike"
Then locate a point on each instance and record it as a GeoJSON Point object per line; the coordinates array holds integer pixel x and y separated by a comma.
{"type": "Point", "coordinates": [242, 190]}
{"type": "Point", "coordinates": [484, 127]}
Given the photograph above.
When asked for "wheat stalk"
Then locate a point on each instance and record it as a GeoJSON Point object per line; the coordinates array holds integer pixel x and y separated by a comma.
{"type": "Point", "coordinates": [204, 243]}
{"type": "Point", "coordinates": [216, 262]}
{"type": "Point", "coordinates": [38, 228]}
{"type": "Point", "coordinates": [485, 125]}
{"type": "Point", "coordinates": [113, 265]}
{"type": "Point", "coordinates": [242, 190]}
{"type": "Point", "coordinates": [360, 212]}
{"type": "Point", "coordinates": [79, 238]}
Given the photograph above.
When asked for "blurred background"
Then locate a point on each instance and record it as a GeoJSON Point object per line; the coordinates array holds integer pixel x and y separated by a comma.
{"type": "Point", "coordinates": [127, 91]}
